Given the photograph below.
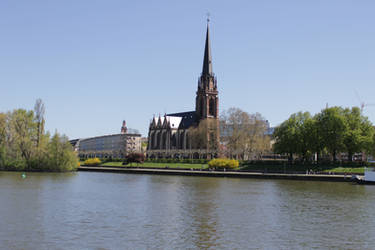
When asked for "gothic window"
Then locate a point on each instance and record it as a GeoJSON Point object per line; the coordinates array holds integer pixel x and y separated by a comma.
{"type": "Point", "coordinates": [150, 143]}
{"type": "Point", "coordinates": [159, 141]}
{"type": "Point", "coordinates": [174, 141]}
{"type": "Point", "coordinates": [187, 141]}
{"type": "Point", "coordinates": [181, 146]}
{"type": "Point", "coordinates": [202, 107]}
{"type": "Point", "coordinates": [155, 140]}
{"type": "Point", "coordinates": [164, 146]}
{"type": "Point", "coordinates": [212, 107]}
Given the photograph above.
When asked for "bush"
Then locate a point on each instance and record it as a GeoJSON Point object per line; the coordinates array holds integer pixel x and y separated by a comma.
{"type": "Point", "coordinates": [92, 162]}
{"type": "Point", "coordinates": [134, 157]}
{"type": "Point", "coordinates": [221, 163]}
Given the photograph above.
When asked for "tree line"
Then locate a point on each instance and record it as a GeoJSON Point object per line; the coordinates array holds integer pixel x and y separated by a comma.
{"type": "Point", "coordinates": [333, 131]}
{"type": "Point", "coordinates": [24, 144]}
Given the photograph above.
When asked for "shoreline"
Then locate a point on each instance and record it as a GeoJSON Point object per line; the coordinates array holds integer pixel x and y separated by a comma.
{"type": "Point", "coordinates": [230, 174]}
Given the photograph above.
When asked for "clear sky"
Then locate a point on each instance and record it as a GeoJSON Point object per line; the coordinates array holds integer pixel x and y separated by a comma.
{"type": "Point", "coordinates": [95, 63]}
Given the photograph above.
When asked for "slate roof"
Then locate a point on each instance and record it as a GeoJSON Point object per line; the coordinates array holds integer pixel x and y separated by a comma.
{"type": "Point", "coordinates": [207, 61]}
{"type": "Point", "coordinates": [188, 119]}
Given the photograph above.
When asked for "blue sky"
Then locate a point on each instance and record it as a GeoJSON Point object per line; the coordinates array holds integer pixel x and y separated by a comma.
{"type": "Point", "coordinates": [95, 63]}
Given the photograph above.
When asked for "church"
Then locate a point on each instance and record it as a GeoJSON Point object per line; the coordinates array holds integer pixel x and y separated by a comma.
{"type": "Point", "coordinates": [192, 134]}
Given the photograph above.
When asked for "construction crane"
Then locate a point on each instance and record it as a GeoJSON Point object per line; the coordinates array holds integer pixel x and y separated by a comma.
{"type": "Point", "coordinates": [362, 103]}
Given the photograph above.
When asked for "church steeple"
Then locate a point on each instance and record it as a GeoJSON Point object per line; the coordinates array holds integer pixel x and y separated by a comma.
{"type": "Point", "coordinates": [207, 102]}
{"type": "Point", "coordinates": [207, 61]}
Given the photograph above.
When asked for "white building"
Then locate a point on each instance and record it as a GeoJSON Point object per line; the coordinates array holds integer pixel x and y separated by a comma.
{"type": "Point", "coordinates": [109, 146]}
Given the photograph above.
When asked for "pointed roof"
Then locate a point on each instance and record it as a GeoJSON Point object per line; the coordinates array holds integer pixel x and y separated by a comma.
{"type": "Point", "coordinates": [207, 61]}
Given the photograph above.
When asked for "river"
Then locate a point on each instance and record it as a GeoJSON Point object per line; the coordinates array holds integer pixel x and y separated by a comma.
{"type": "Point", "coordinates": [88, 210]}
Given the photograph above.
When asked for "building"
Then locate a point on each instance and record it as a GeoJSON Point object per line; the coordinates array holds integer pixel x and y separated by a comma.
{"type": "Point", "coordinates": [192, 134]}
{"type": "Point", "coordinates": [109, 146]}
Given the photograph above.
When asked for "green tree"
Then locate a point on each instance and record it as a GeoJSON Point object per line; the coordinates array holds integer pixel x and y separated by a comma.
{"type": "Point", "coordinates": [359, 134]}
{"type": "Point", "coordinates": [3, 137]}
{"type": "Point", "coordinates": [60, 154]}
{"type": "Point", "coordinates": [25, 146]}
{"type": "Point", "coordinates": [303, 125]}
{"type": "Point", "coordinates": [23, 133]}
{"type": "Point", "coordinates": [332, 127]}
{"type": "Point", "coordinates": [286, 137]}
{"type": "Point", "coordinates": [313, 137]}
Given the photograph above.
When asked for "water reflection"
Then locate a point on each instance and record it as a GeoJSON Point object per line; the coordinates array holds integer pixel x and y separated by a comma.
{"type": "Point", "coordinates": [119, 211]}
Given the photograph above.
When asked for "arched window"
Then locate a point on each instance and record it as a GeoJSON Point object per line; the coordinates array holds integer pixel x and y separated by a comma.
{"type": "Point", "coordinates": [164, 145]}
{"type": "Point", "coordinates": [212, 107]}
{"type": "Point", "coordinates": [174, 141]}
{"type": "Point", "coordinates": [159, 140]}
{"type": "Point", "coordinates": [151, 141]}
{"type": "Point", "coordinates": [202, 107]}
{"type": "Point", "coordinates": [188, 146]}
{"type": "Point", "coordinates": [182, 139]}
{"type": "Point", "coordinates": [155, 140]}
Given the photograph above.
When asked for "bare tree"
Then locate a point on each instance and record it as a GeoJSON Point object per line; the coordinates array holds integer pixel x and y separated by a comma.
{"type": "Point", "coordinates": [243, 135]}
{"type": "Point", "coordinates": [204, 136]}
{"type": "Point", "coordinates": [39, 110]}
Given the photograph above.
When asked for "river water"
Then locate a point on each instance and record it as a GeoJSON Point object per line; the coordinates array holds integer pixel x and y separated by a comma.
{"type": "Point", "coordinates": [122, 211]}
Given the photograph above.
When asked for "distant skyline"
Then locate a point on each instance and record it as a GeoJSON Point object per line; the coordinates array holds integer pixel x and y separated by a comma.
{"type": "Point", "coordinates": [96, 63]}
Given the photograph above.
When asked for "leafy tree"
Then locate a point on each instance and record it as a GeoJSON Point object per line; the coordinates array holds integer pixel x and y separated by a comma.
{"type": "Point", "coordinates": [61, 156]}
{"type": "Point", "coordinates": [303, 122]}
{"type": "Point", "coordinates": [312, 137]}
{"type": "Point", "coordinates": [332, 127]}
{"type": "Point", "coordinates": [3, 137]}
{"type": "Point", "coordinates": [359, 133]}
{"type": "Point", "coordinates": [25, 146]}
{"type": "Point", "coordinates": [23, 131]}
{"type": "Point", "coordinates": [287, 137]}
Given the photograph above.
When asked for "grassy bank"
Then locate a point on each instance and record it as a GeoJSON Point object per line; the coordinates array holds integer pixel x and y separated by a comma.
{"type": "Point", "coordinates": [155, 165]}
{"type": "Point", "coordinates": [304, 169]}
{"type": "Point", "coordinates": [346, 170]}
{"type": "Point", "coordinates": [251, 168]}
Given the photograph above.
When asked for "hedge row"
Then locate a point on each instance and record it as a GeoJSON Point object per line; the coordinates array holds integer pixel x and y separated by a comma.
{"type": "Point", "coordinates": [325, 164]}
{"type": "Point", "coordinates": [171, 160]}
{"type": "Point", "coordinates": [294, 168]}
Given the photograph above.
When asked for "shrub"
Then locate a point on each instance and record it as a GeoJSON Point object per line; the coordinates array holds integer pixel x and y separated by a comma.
{"type": "Point", "coordinates": [134, 157]}
{"type": "Point", "coordinates": [221, 163]}
{"type": "Point", "coordinates": [92, 162]}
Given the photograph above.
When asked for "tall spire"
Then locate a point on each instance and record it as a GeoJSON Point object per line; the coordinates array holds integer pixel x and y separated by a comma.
{"type": "Point", "coordinates": [207, 61]}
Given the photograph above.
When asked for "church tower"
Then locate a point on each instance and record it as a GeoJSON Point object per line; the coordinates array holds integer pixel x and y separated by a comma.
{"type": "Point", "coordinates": [207, 101]}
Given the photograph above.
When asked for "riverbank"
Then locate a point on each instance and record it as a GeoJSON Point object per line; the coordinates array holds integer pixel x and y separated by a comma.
{"type": "Point", "coordinates": [260, 167]}
{"type": "Point", "coordinates": [294, 169]}
{"type": "Point", "coordinates": [156, 165]}
{"type": "Point", "coordinates": [230, 174]}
